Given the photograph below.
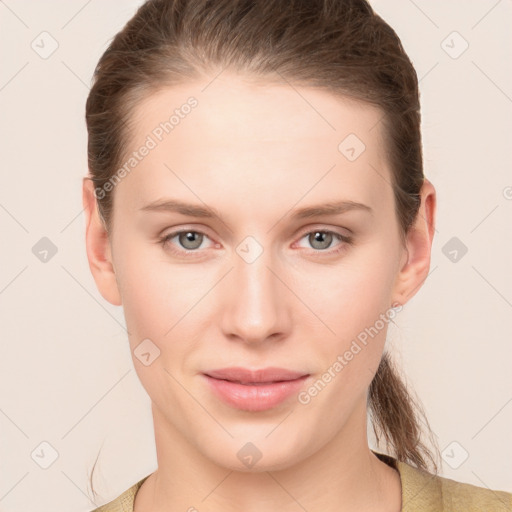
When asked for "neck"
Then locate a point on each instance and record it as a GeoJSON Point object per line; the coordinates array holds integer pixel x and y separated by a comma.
{"type": "Point", "coordinates": [344, 475]}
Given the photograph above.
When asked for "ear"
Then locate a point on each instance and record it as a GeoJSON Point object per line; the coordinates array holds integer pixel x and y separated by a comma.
{"type": "Point", "coordinates": [415, 264]}
{"type": "Point", "coordinates": [98, 247]}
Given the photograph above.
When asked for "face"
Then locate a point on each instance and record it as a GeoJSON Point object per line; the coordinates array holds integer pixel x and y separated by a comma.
{"type": "Point", "coordinates": [263, 274]}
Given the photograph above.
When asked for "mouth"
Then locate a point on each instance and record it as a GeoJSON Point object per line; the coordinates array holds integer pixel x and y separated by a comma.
{"type": "Point", "coordinates": [261, 376]}
{"type": "Point", "coordinates": [254, 390]}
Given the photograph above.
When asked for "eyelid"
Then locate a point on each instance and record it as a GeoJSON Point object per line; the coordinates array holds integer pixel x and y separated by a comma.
{"type": "Point", "coordinates": [165, 239]}
{"type": "Point", "coordinates": [326, 229]}
{"type": "Point", "coordinates": [344, 239]}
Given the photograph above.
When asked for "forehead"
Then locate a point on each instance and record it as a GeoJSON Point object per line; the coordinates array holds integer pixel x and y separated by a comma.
{"type": "Point", "coordinates": [275, 138]}
{"type": "Point", "coordinates": [259, 112]}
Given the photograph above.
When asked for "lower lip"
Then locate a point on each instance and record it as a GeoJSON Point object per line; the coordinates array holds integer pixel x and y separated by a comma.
{"type": "Point", "coordinates": [255, 397]}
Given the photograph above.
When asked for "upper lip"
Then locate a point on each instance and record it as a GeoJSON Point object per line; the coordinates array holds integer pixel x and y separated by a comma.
{"type": "Point", "coordinates": [244, 375]}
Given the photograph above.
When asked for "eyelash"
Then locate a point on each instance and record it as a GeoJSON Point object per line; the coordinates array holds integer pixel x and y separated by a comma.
{"type": "Point", "coordinates": [346, 240]}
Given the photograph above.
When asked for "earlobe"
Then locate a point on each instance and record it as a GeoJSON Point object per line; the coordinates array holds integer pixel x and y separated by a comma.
{"type": "Point", "coordinates": [415, 264]}
{"type": "Point", "coordinates": [98, 248]}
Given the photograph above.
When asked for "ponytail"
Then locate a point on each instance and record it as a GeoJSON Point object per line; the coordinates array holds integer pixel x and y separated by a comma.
{"type": "Point", "coordinates": [396, 417]}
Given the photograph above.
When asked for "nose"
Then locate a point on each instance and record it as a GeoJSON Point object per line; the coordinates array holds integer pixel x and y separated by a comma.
{"type": "Point", "coordinates": [255, 306]}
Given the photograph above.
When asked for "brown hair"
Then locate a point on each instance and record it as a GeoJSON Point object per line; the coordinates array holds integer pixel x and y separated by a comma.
{"type": "Point", "coordinates": [341, 46]}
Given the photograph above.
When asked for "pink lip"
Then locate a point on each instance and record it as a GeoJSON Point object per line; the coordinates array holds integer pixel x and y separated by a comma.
{"type": "Point", "coordinates": [254, 390]}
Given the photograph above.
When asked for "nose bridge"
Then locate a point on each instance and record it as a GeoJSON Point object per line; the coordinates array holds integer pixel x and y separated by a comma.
{"type": "Point", "coordinates": [256, 308]}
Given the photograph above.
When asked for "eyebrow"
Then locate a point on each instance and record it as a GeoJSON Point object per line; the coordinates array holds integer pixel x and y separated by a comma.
{"type": "Point", "coordinates": [195, 210]}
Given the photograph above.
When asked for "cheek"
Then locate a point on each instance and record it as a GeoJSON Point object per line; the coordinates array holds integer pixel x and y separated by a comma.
{"type": "Point", "coordinates": [155, 294]}
{"type": "Point", "coordinates": [350, 296]}
{"type": "Point", "coordinates": [158, 304]}
{"type": "Point", "coordinates": [353, 300]}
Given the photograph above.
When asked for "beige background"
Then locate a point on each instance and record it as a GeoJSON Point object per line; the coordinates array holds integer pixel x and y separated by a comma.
{"type": "Point", "coordinates": [66, 376]}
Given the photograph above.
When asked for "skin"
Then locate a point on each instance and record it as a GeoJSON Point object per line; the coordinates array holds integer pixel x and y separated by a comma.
{"type": "Point", "coordinates": [256, 153]}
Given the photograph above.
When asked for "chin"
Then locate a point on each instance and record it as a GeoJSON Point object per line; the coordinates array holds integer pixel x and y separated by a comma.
{"type": "Point", "coordinates": [260, 454]}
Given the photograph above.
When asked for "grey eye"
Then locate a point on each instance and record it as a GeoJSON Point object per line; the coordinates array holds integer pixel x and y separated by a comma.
{"type": "Point", "coordinates": [190, 239]}
{"type": "Point", "coordinates": [322, 238]}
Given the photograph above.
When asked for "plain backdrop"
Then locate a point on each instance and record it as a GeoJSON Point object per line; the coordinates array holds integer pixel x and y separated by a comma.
{"type": "Point", "coordinates": [68, 387]}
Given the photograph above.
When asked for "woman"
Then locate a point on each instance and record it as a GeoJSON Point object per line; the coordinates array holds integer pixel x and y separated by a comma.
{"type": "Point", "coordinates": [257, 204]}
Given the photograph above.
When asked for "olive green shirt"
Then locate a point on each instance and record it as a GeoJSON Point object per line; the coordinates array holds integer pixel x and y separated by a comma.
{"type": "Point", "coordinates": [421, 492]}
